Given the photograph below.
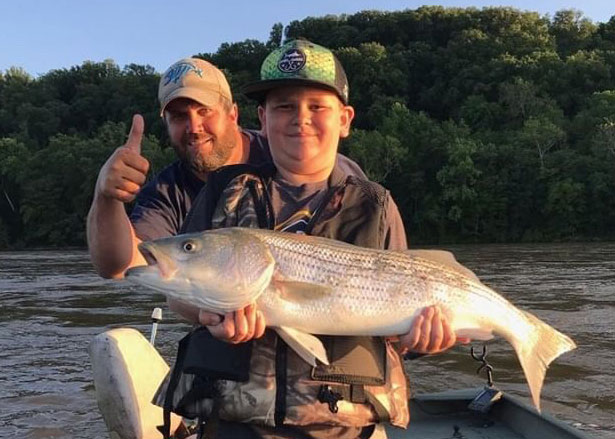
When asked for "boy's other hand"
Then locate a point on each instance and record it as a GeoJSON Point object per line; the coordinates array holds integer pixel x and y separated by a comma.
{"type": "Point", "coordinates": [430, 333]}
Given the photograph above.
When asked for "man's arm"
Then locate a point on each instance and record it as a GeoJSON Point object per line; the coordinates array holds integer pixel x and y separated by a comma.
{"type": "Point", "coordinates": [111, 238]}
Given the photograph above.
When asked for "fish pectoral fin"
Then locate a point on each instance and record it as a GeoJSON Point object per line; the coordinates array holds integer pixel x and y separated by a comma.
{"type": "Point", "coordinates": [300, 291]}
{"type": "Point", "coordinates": [305, 345]}
{"type": "Point", "coordinates": [442, 257]}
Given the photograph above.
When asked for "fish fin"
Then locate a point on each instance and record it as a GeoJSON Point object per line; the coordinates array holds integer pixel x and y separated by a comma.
{"type": "Point", "coordinates": [444, 258]}
{"type": "Point", "coordinates": [474, 333]}
{"type": "Point", "coordinates": [300, 291]}
{"type": "Point", "coordinates": [305, 345]}
{"type": "Point", "coordinates": [535, 356]}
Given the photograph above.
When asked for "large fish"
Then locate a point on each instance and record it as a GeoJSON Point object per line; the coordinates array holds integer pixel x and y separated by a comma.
{"type": "Point", "coordinates": [309, 285]}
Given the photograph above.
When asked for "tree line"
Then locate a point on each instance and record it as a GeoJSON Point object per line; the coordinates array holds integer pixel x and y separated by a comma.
{"type": "Point", "coordinates": [487, 125]}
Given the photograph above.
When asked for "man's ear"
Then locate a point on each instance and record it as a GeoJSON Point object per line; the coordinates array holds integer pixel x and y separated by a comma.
{"type": "Point", "coordinates": [234, 113]}
{"type": "Point", "coordinates": [346, 117]}
{"type": "Point", "coordinates": [263, 119]}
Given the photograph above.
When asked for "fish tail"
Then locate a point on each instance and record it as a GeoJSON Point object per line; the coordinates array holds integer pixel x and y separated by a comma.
{"type": "Point", "coordinates": [535, 357]}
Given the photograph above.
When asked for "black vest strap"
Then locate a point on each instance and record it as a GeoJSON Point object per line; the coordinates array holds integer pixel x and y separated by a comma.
{"type": "Point", "coordinates": [165, 429]}
{"type": "Point", "coordinates": [281, 351]}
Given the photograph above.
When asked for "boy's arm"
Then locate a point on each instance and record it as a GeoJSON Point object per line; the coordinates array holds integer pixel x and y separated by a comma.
{"type": "Point", "coordinates": [395, 237]}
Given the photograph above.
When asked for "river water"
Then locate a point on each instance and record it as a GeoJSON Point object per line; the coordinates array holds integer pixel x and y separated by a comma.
{"type": "Point", "coordinates": [52, 304]}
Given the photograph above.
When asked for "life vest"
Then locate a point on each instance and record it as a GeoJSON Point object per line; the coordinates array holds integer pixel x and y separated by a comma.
{"type": "Point", "coordinates": [263, 381]}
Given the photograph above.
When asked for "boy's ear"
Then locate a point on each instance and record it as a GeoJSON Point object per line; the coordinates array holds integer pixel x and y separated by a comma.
{"type": "Point", "coordinates": [262, 118]}
{"type": "Point", "coordinates": [346, 116]}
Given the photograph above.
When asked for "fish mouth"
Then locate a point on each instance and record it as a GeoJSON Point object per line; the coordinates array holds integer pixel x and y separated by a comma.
{"type": "Point", "coordinates": [148, 255]}
{"type": "Point", "coordinates": [155, 258]}
{"type": "Point", "coordinates": [140, 271]}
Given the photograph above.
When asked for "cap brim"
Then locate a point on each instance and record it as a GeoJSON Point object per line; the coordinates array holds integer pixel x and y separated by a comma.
{"type": "Point", "coordinates": [208, 98]}
{"type": "Point", "coordinates": [258, 90]}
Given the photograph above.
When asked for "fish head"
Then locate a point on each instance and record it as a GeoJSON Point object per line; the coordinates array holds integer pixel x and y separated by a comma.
{"type": "Point", "coordinates": [218, 270]}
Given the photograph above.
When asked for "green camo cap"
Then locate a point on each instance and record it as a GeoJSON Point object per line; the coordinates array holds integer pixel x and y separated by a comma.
{"type": "Point", "coordinates": [300, 62]}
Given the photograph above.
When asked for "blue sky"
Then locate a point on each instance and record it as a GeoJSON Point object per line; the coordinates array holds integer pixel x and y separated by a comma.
{"type": "Point", "coordinates": [41, 35]}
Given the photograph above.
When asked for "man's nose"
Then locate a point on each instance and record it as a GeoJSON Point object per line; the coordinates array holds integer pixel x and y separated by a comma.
{"type": "Point", "coordinates": [193, 123]}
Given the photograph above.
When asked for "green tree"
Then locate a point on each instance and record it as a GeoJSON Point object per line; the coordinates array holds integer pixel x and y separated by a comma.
{"type": "Point", "coordinates": [379, 155]}
{"type": "Point", "coordinates": [572, 31]}
{"type": "Point", "coordinates": [275, 36]}
{"type": "Point", "coordinates": [458, 180]}
{"type": "Point", "coordinates": [606, 136]}
{"type": "Point", "coordinates": [542, 134]}
{"type": "Point", "coordinates": [13, 163]}
{"type": "Point", "coordinates": [565, 207]}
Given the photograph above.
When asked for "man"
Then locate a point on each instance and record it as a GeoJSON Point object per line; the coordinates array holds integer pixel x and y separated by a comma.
{"type": "Point", "coordinates": [304, 112]}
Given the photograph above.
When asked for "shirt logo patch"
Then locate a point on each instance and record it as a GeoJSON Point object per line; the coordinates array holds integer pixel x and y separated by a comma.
{"type": "Point", "coordinates": [179, 70]}
{"type": "Point", "coordinates": [292, 61]}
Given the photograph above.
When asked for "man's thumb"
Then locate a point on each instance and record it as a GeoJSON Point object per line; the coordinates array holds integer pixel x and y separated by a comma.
{"type": "Point", "coordinates": [136, 134]}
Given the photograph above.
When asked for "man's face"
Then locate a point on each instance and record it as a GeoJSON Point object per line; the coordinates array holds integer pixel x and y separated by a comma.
{"type": "Point", "coordinates": [203, 137]}
{"type": "Point", "coordinates": [303, 126]}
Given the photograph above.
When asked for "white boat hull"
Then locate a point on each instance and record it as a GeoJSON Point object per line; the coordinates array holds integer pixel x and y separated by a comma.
{"type": "Point", "coordinates": [127, 372]}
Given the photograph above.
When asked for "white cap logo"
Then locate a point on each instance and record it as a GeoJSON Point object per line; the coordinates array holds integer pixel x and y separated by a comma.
{"type": "Point", "coordinates": [292, 60]}
{"type": "Point", "coordinates": [179, 70]}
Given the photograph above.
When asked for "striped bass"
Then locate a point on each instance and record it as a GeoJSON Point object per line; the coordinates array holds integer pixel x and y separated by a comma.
{"type": "Point", "coordinates": [310, 285]}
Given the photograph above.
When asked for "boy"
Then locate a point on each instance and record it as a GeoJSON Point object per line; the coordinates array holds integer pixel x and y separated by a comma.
{"type": "Point", "coordinates": [304, 111]}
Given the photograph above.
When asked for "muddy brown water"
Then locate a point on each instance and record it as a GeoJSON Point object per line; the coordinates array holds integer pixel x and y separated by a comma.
{"type": "Point", "coordinates": [52, 304]}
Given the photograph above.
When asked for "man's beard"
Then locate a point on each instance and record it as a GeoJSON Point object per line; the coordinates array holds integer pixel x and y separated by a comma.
{"type": "Point", "coordinates": [202, 163]}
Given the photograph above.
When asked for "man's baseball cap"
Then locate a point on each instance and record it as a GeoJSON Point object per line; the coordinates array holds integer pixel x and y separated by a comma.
{"type": "Point", "coordinates": [195, 79]}
{"type": "Point", "coordinates": [300, 62]}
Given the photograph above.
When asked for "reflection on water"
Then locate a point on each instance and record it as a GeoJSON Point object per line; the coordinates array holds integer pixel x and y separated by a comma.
{"type": "Point", "coordinates": [52, 304]}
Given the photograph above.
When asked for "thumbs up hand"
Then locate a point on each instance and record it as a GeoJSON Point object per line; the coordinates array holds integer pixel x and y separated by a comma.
{"type": "Point", "coordinates": [125, 171]}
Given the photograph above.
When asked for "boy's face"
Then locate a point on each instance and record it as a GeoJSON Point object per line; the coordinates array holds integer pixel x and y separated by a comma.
{"type": "Point", "coordinates": [303, 126]}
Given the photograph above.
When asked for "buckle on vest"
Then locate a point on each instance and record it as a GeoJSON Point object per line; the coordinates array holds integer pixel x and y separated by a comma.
{"type": "Point", "coordinates": [327, 395]}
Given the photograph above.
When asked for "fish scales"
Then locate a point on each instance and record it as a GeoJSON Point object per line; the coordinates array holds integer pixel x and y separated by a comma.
{"type": "Point", "coordinates": [368, 283]}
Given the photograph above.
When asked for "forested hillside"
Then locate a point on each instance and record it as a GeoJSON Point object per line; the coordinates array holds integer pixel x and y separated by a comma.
{"type": "Point", "coordinates": [487, 125]}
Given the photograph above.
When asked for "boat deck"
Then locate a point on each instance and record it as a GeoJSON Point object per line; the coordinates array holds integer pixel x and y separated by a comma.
{"type": "Point", "coordinates": [446, 416]}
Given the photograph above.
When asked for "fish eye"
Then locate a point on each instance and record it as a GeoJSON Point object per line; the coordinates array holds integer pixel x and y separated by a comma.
{"type": "Point", "coordinates": [189, 246]}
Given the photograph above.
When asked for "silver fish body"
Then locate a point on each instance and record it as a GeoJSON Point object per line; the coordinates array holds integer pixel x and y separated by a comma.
{"type": "Point", "coordinates": [372, 292]}
{"type": "Point", "coordinates": [310, 285]}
